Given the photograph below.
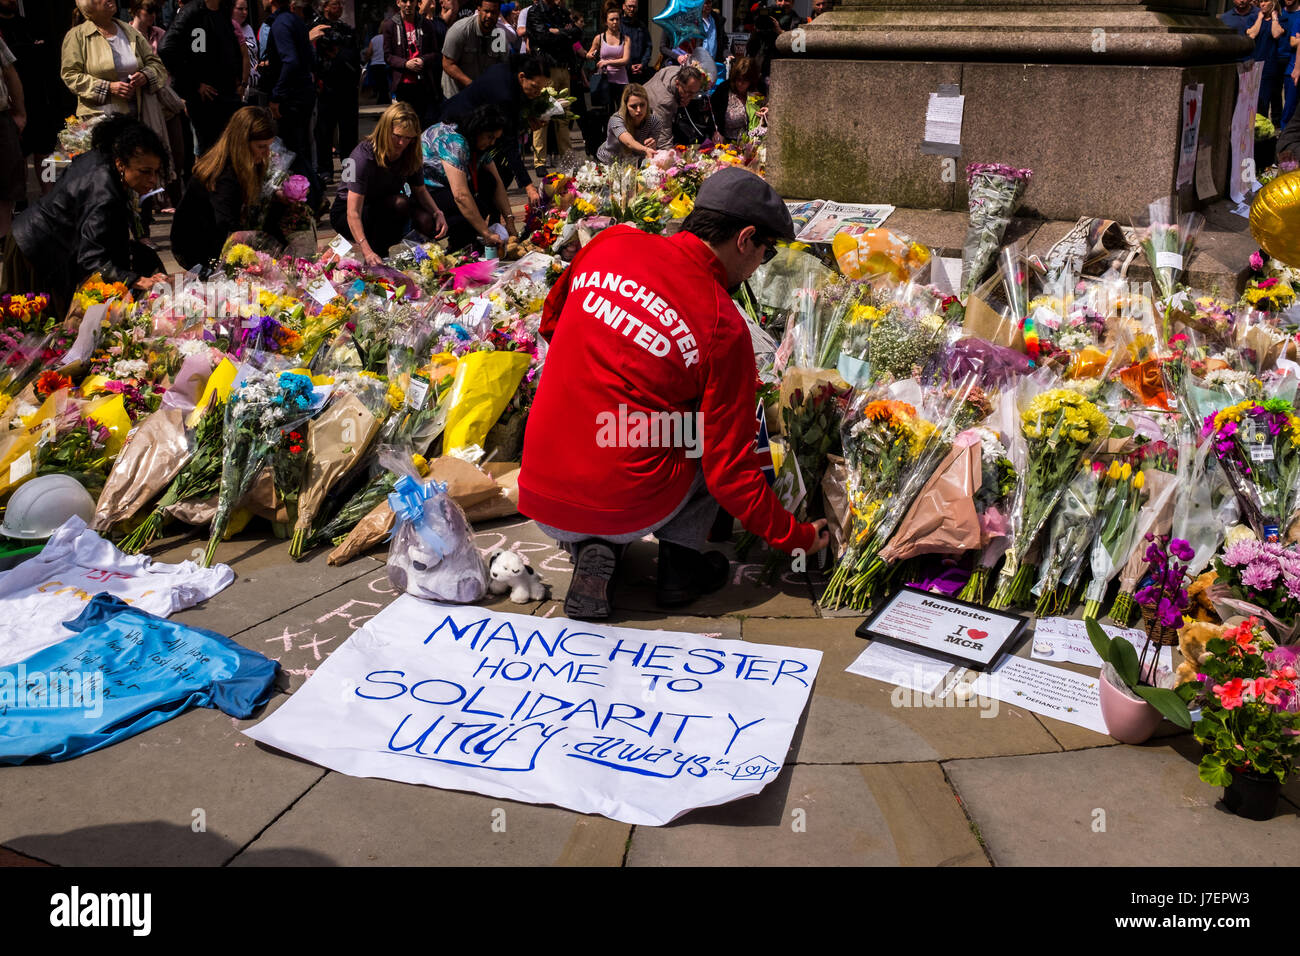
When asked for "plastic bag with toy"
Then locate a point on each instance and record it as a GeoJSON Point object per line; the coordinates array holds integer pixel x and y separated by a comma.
{"type": "Point", "coordinates": [432, 554]}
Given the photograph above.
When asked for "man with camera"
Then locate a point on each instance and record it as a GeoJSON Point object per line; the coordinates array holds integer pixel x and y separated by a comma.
{"type": "Point", "coordinates": [338, 75]}
{"type": "Point", "coordinates": [414, 56]}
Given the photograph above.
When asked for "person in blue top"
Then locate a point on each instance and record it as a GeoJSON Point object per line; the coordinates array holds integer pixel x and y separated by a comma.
{"type": "Point", "coordinates": [461, 175]}
{"type": "Point", "coordinates": [1266, 28]}
{"type": "Point", "coordinates": [1291, 41]}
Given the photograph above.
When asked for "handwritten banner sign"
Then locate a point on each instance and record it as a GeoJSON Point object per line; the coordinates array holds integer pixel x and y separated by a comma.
{"type": "Point", "coordinates": [635, 725]}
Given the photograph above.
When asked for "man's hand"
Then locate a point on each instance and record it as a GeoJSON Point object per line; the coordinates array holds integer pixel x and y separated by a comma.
{"type": "Point", "coordinates": [440, 224]}
{"type": "Point", "coordinates": [207, 92]}
{"type": "Point", "coordinates": [373, 258]}
{"type": "Point", "coordinates": [823, 536]}
{"type": "Point", "coordinates": [536, 124]}
{"type": "Point", "coordinates": [139, 81]}
{"type": "Point", "coordinates": [415, 63]}
{"type": "Point", "coordinates": [683, 59]}
{"type": "Point", "coordinates": [319, 31]}
{"type": "Point", "coordinates": [533, 193]}
{"type": "Point", "coordinates": [120, 88]}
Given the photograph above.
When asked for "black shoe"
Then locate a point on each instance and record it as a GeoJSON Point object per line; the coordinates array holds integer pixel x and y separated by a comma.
{"type": "Point", "coordinates": [594, 566]}
{"type": "Point", "coordinates": [685, 574]}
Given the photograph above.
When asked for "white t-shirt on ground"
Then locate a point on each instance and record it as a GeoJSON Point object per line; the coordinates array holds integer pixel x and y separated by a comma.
{"type": "Point", "coordinates": [37, 596]}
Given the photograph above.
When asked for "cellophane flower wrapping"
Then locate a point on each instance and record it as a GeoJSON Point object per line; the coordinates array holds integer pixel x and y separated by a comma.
{"type": "Point", "coordinates": [1257, 444]}
{"type": "Point", "coordinates": [265, 402]}
{"type": "Point", "coordinates": [1167, 239]}
{"type": "Point", "coordinates": [1120, 499]}
{"type": "Point", "coordinates": [1260, 578]}
{"type": "Point", "coordinates": [891, 448]}
{"type": "Point", "coordinates": [994, 193]}
{"type": "Point", "coordinates": [1059, 428]}
{"type": "Point", "coordinates": [1070, 533]}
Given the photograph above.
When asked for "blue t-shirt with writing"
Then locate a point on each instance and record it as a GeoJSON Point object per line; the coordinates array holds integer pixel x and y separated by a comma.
{"type": "Point", "coordinates": [121, 671]}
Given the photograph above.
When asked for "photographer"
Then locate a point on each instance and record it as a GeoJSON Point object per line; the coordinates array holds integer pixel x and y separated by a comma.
{"type": "Point", "coordinates": [414, 55]}
{"type": "Point", "coordinates": [339, 75]}
{"type": "Point", "coordinates": [671, 89]}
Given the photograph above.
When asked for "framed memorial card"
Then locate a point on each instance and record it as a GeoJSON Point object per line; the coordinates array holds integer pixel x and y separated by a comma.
{"type": "Point", "coordinates": [958, 631]}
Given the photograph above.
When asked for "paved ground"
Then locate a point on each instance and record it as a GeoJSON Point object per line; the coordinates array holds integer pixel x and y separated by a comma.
{"type": "Point", "coordinates": [876, 783]}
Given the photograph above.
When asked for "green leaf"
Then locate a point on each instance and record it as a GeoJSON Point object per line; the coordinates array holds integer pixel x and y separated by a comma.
{"type": "Point", "coordinates": [1213, 771]}
{"type": "Point", "coordinates": [1125, 659]}
{"type": "Point", "coordinates": [1168, 703]}
{"type": "Point", "coordinates": [1100, 640]}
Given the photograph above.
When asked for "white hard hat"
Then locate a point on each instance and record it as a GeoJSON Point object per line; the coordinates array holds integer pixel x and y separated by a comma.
{"type": "Point", "coordinates": [38, 508]}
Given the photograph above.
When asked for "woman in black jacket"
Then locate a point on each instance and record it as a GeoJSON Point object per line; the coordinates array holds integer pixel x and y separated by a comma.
{"type": "Point", "coordinates": [90, 221]}
{"type": "Point", "coordinates": [227, 181]}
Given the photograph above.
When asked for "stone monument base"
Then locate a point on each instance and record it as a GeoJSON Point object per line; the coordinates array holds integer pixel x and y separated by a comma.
{"type": "Point", "coordinates": [1102, 139]}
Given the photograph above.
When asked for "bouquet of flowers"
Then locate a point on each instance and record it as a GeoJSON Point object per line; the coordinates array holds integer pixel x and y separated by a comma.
{"type": "Point", "coordinates": [74, 138]}
{"type": "Point", "coordinates": [1071, 532]}
{"type": "Point", "coordinates": [1261, 579]}
{"type": "Point", "coordinates": [891, 452]}
{"type": "Point", "coordinates": [1167, 239]}
{"type": "Point", "coordinates": [1250, 721]}
{"type": "Point", "coordinates": [336, 440]}
{"type": "Point", "coordinates": [994, 193]}
{"type": "Point", "coordinates": [1119, 503]}
{"type": "Point", "coordinates": [28, 312]}
{"type": "Point", "coordinates": [551, 105]}
{"type": "Point", "coordinates": [1164, 598]}
{"type": "Point", "coordinates": [818, 325]}
{"type": "Point", "coordinates": [198, 479]}
{"type": "Point", "coordinates": [1059, 427]}
{"type": "Point", "coordinates": [1258, 446]}
{"type": "Point", "coordinates": [260, 409]}
{"type": "Point", "coordinates": [992, 504]}
{"type": "Point", "coordinates": [1267, 295]}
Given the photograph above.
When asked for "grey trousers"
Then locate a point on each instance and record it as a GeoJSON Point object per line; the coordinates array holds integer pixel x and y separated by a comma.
{"type": "Point", "coordinates": [688, 525]}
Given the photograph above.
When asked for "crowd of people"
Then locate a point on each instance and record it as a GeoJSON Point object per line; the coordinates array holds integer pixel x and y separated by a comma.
{"type": "Point", "coordinates": [1275, 28]}
{"type": "Point", "coordinates": [214, 82]}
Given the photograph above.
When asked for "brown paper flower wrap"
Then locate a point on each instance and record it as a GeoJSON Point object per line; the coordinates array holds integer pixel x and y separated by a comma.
{"type": "Point", "coordinates": [942, 519]}
{"type": "Point", "coordinates": [336, 440]}
{"type": "Point", "coordinates": [153, 455]}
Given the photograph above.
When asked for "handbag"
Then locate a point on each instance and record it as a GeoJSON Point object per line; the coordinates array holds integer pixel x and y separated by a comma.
{"type": "Point", "coordinates": [171, 102]}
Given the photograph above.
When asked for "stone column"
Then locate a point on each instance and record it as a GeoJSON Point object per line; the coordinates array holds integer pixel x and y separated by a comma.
{"type": "Point", "coordinates": [1086, 93]}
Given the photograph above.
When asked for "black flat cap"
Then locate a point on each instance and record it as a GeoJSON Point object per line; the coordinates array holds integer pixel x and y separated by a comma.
{"type": "Point", "coordinates": [739, 193]}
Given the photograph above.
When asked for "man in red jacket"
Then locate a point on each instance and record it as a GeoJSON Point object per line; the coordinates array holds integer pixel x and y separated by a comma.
{"type": "Point", "coordinates": [644, 422]}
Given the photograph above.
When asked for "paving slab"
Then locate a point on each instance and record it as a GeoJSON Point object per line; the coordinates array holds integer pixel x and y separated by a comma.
{"type": "Point", "coordinates": [823, 816]}
{"type": "Point", "coordinates": [789, 595]}
{"type": "Point", "coordinates": [301, 638]}
{"type": "Point", "coordinates": [854, 719]}
{"type": "Point", "coordinates": [1047, 810]}
{"type": "Point", "coordinates": [266, 581]}
{"type": "Point", "coordinates": [355, 821]}
{"type": "Point", "coordinates": [138, 802]}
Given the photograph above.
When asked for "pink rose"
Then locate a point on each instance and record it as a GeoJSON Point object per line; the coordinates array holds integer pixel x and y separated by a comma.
{"type": "Point", "coordinates": [296, 188]}
{"type": "Point", "coordinates": [1256, 260]}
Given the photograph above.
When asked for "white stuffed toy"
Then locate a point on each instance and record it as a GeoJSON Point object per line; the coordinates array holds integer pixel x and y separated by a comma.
{"type": "Point", "coordinates": [510, 571]}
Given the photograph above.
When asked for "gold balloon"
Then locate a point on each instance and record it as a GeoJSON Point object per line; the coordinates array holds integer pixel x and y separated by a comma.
{"type": "Point", "coordinates": [1275, 218]}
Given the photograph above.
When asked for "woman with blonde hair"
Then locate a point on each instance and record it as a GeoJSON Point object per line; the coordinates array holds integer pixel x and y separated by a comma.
{"type": "Point", "coordinates": [633, 132]}
{"type": "Point", "coordinates": [227, 183]}
{"type": "Point", "coordinates": [381, 190]}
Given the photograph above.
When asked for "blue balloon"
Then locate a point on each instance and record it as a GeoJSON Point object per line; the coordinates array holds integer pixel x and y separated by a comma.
{"type": "Point", "coordinates": [683, 19]}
